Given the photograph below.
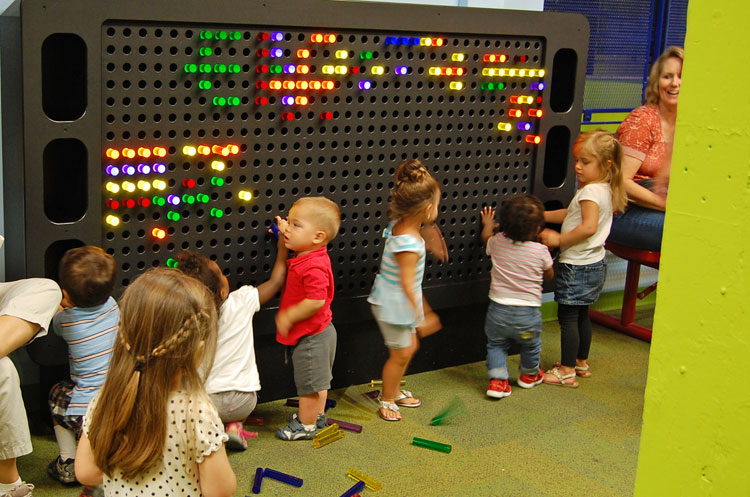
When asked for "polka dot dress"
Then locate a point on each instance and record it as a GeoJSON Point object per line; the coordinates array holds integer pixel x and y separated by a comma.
{"type": "Point", "coordinates": [194, 431]}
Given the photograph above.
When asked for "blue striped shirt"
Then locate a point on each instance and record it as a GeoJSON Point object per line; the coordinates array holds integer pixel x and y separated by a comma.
{"type": "Point", "coordinates": [90, 334]}
{"type": "Point", "coordinates": [387, 291]}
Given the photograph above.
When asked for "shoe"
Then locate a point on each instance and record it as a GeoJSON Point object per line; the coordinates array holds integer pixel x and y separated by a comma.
{"type": "Point", "coordinates": [89, 491]}
{"type": "Point", "coordinates": [295, 431]}
{"type": "Point", "coordinates": [320, 423]}
{"type": "Point", "coordinates": [498, 389]}
{"type": "Point", "coordinates": [407, 395]}
{"type": "Point", "coordinates": [64, 472]}
{"type": "Point", "coordinates": [389, 406]}
{"type": "Point", "coordinates": [554, 377]}
{"type": "Point", "coordinates": [530, 380]}
{"type": "Point", "coordinates": [22, 490]}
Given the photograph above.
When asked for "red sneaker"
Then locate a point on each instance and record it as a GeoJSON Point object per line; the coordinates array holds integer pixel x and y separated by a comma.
{"type": "Point", "coordinates": [530, 380]}
{"type": "Point", "coordinates": [498, 389]}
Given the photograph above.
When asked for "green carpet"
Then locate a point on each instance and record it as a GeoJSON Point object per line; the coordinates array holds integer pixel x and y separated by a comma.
{"type": "Point", "coordinates": [546, 441]}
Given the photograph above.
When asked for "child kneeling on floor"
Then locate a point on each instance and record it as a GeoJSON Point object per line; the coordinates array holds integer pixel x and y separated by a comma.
{"type": "Point", "coordinates": [233, 380]}
{"type": "Point", "coordinates": [519, 265]}
{"type": "Point", "coordinates": [88, 324]}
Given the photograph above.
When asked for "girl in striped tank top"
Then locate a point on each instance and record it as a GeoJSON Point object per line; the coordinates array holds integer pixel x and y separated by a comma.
{"type": "Point", "coordinates": [396, 297]}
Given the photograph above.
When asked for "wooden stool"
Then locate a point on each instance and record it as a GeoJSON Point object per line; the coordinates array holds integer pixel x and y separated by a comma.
{"type": "Point", "coordinates": [636, 258]}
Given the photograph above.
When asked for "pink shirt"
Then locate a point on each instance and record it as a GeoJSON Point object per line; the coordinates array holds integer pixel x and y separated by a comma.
{"type": "Point", "coordinates": [641, 138]}
{"type": "Point", "coordinates": [310, 277]}
{"type": "Point", "coordinates": [517, 271]}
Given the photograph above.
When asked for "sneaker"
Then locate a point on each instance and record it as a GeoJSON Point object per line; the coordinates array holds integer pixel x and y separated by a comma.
{"type": "Point", "coordinates": [22, 490]}
{"type": "Point", "coordinates": [295, 431]}
{"type": "Point", "coordinates": [498, 389]}
{"type": "Point", "coordinates": [64, 472]}
{"type": "Point", "coordinates": [320, 423]}
{"type": "Point", "coordinates": [236, 441]}
{"type": "Point", "coordinates": [530, 380]}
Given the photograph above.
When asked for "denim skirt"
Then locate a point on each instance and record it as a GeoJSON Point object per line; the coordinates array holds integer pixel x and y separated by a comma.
{"type": "Point", "coordinates": [579, 285]}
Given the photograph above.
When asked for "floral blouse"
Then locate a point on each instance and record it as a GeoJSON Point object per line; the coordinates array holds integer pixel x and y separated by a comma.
{"type": "Point", "coordinates": [641, 138]}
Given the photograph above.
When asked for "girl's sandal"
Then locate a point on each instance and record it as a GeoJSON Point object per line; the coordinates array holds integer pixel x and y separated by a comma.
{"type": "Point", "coordinates": [390, 406]}
{"type": "Point", "coordinates": [583, 371]}
{"type": "Point", "coordinates": [406, 399]}
{"type": "Point", "coordinates": [561, 379]}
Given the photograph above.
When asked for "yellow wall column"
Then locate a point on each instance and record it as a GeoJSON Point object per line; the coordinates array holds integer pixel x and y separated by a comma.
{"type": "Point", "coordinates": [696, 432]}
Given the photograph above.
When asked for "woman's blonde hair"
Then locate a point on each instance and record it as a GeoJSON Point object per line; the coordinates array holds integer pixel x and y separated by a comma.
{"type": "Point", "coordinates": [414, 189]}
{"type": "Point", "coordinates": [652, 87]}
{"type": "Point", "coordinates": [608, 151]}
{"type": "Point", "coordinates": [168, 330]}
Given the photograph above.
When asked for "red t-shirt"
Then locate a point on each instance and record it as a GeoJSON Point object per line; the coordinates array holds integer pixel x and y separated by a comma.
{"type": "Point", "coordinates": [309, 276]}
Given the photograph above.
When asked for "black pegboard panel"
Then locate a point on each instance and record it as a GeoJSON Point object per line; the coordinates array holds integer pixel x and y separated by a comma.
{"type": "Point", "coordinates": [147, 89]}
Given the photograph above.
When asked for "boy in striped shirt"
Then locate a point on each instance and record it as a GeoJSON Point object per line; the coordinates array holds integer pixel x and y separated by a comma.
{"type": "Point", "coordinates": [88, 323]}
{"type": "Point", "coordinates": [519, 266]}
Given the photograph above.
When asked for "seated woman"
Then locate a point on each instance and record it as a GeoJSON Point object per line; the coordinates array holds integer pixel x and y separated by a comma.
{"type": "Point", "coordinates": [647, 135]}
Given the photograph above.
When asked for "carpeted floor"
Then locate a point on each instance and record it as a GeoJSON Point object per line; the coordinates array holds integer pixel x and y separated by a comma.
{"type": "Point", "coordinates": [547, 441]}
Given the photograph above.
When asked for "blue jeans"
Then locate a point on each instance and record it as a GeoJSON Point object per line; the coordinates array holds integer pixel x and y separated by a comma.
{"type": "Point", "coordinates": [509, 324]}
{"type": "Point", "coordinates": [579, 285]}
{"type": "Point", "coordinates": [638, 227]}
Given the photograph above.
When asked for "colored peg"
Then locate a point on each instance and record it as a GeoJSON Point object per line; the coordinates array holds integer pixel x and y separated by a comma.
{"type": "Point", "coordinates": [292, 402]}
{"type": "Point", "coordinates": [328, 431]}
{"type": "Point", "coordinates": [258, 480]}
{"type": "Point", "coordinates": [373, 394]}
{"type": "Point", "coordinates": [344, 425]}
{"type": "Point", "coordinates": [354, 490]}
{"type": "Point", "coordinates": [374, 383]}
{"type": "Point", "coordinates": [254, 421]}
{"type": "Point", "coordinates": [275, 230]}
{"type": "Point", "coordinates": [450, 411]}
{"type": "Point", "coordinates": [429, 444]}
{"type": "Point", "coordinates": [358, 475]}
{"type": "Point", "coordinates": [282, 477]}
{"type": "Point", "coordinates": [320, 442]}
{"type": "Point", "coordinates": [330, 404]}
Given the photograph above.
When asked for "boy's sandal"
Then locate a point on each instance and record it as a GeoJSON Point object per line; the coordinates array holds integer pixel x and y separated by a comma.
{"type": "Point", "coordinates": [405, 394]}
{"type": "Point", "coordinates": [581, 371]}
{"type": "Point", "coordinates": [561, 379]}
{"type": "Point", "coordinates": [384, 404]}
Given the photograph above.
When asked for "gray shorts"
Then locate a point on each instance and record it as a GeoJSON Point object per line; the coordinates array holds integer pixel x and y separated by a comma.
{"type": "Point", "coordinates": [233, 405]}
{"type": "Point", "coordinates": [312, 358]}
{"type": "Point", "coordinates": [396, 336]}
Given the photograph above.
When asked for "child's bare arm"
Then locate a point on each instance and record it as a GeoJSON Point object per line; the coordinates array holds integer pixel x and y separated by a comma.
{"type": "Point", "coordinates": [549, 274]}
{"type": "Point", "coordinates": [589, 223]}
{"type": "Point", "coordinates": [555, 217]}
{"type": "Point", "coordinates": [216, 476]}
{"type": "Point", "coordinates": [407, 263]}
{"type": "Point", "coordinates": [299, 312]}
{"type": "Point", "coordinates": [488, 223]}
{"type": "Point", "coordinates": [268, 289]}
{"type": "Point", "coordinates": [87, 472]}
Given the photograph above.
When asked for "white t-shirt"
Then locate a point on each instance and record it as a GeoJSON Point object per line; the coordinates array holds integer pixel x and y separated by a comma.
{"type": "Point", "coordinates": [194, 431]}
{"type": "Point", "coordinates": [591, 249]}
{"type": "Point", "coordinates": [234, 366]}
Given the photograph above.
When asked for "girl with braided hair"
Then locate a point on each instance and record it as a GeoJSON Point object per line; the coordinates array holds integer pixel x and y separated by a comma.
{"type": "Point", "coordinates": [396, 297]}
{"type": "Point", "coordinates": [152, 428]}
{"type": "Point", "coordinates": [579, 277]}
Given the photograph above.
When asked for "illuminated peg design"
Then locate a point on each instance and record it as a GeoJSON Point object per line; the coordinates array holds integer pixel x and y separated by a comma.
{"type": "Point", "coordinates": [317, 115]}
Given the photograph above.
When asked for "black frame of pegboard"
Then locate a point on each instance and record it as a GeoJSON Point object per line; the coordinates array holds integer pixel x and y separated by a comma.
{"type": "Point", "coordinates": [27, 129]}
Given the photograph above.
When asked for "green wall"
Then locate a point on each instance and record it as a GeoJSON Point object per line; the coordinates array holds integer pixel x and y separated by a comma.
{"type": "Point", "coordinates": [696, 433]}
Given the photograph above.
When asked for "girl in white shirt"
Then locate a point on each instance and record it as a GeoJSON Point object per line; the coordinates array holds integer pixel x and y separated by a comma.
{"type": "Point", "coordinates": [579, 277]}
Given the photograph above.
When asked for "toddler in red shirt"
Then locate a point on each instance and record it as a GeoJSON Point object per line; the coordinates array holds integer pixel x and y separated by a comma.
{"type": "Point", "coordinates": [304, 318]}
